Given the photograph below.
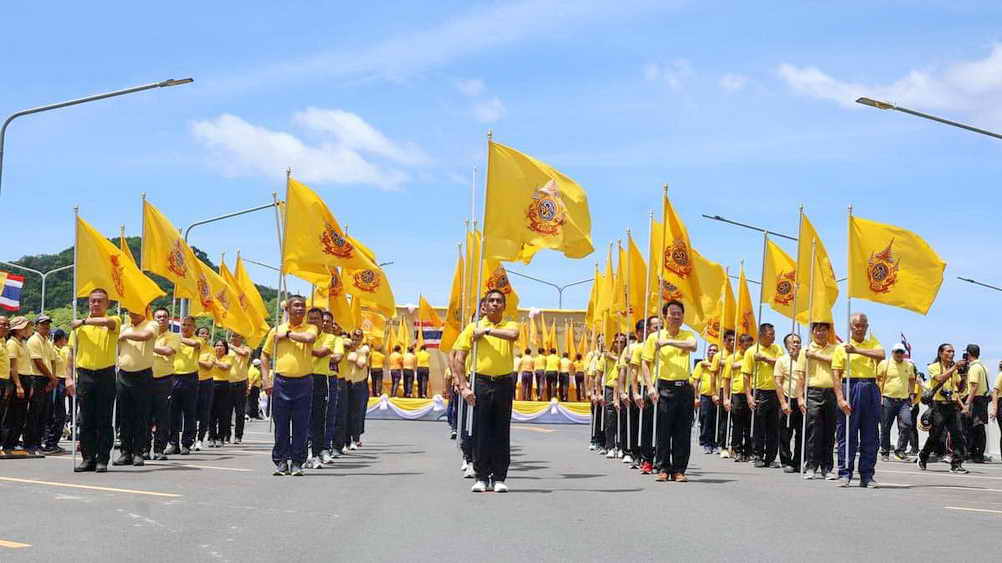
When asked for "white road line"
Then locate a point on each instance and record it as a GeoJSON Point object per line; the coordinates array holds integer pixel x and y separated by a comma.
{"type": "Point", "coordinates": [13, 544]}
{"type": "Point", "coordinates": [973, 509]}
{"type": "Point", "coordinates": [939, 474]}
{"type": "Point", "coordinates": [88, 487]}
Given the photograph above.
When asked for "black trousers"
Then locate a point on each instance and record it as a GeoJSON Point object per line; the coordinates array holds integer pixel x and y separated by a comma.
{"type": "Point", "coordinates": [11, 413]}
{"type": "Point", "coordinates": [741, 425]}
{"type": "Point", "coordinates": [341, 424]}
{"type": "Point", "coordinates": [821, 413]}
{"type": "Point", "coordinates": [611, 419]}
{"type": "Point", "coordinates": [253, 403]}
{"type": "Point", "coordinates": [707, 422]}
{"type": "Point", "coordinates": [791, 429]}
{"type": "Point", "coordinates": [408, 383]}
{"type": "Point", "coordinates": [892, 409]}
{"type": "Point", "coordinates": [422, 382]}
{"type": "Point", "coordinates": [540, 383]}
{"type": "Point", "coordinates": [632, 422]}
{"type": "Point", "coordinates": [135, 390]}
{"type": "Point", "coordinates": [975, 428]}
{"type": "Point", "coordinates": [914, 440]}
{"type": "Point", "coordinates": [203, 407]}
{"type": "Point", "coordinates": [579, 387]}
{"type": "Point", "coordinates": [57, 415]}
{"type": "Point", "coordinates": [358, 399]}
{"type": "Point", "coordinates": [767, 416]}
{"type": "Point", "coordinates": [395, 375]}
{"type": "Point", "coordinates": [318, 413]}
{"type": "Point", "coordinates": [492, 426]}
{"type": "Point", "coordinates": [563, 386]}
{"type": "Point", "coordinates": [551, 384]}
{"type": "Point", "coordinates": [465, 439]}
{"type": "Point", "coordinates": [674, 431]}
{"type": "Point", "coordinates": [38, 410]}
{"type": "Point", "coordinates": [598, 424]}
{"type": "Point", "coordinates": [646, 429]}
{"type": "Point", "coordinates": [183, 406]}
{"type": "Point", "coordinates": [238, 400]}
{"type": "Point", "coordinates": [723, 422]}
{"type": "Point", "coordinates": [96, 394]}
{"type": "Point", "coordinates": [158, 430]}
{"type": "Point", "coordinates": [945, 420]}
{"type": "Point", "coordinates": [219, 424]}
{"type": "Point", "coordinates": [376, 376]}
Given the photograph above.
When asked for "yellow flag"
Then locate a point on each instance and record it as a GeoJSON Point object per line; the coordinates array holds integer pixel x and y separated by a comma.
{"type": "Point", "coordinates": [779, 282]}
{"type": "Point", "coordinates": [891, 265]}
{"type": "Point", "coordinates": [123, 245]}
{"type": "Point", "coordinates": [216, 298]}
{"type": "Point", "coordinates": [355, 316]}
{"type": "Point", "coordinates": [744, 320]}
{"type": "Point", "coordinates": [583, 343]}
{"type": "Point", "coordinates": [427, 314]}
{"type": "Point", "coordinates": [472, 273]}
{"type": "Point", "coordinates": [637, 269]}
{"type": "Point", "coordinates": [620, 307]}
{"type": "Point", "coordinates": [373, 325]}
{"type": "Point", "coordinates": [372, 288]}
{"type": "Point", "coordinates": [677, 267]}
{"type": "Point", "coordinates": [531, 205]}
{"type": "Point", "coordinates": [403, 335]}
{"type": "Point", "coordinates": [606, 299]}
{"type": "Point", "coordinates": [824, 282]}
{"type": "Point", "coordinates": [100, 264]}
{"type": "Point", "coordinates": [552, 344]}
{"type": "Point", "coordinates": [248, 291]}
{"type": "Point", "coordinates": [495, 277]}
{"type": "Point", "coordinates": [166, 254]}
{"type": "Point", "coordinates": [722, 319]}
{"type": "Point", "coordinates": [596, 283]}
{"type": "Point", "coordinates": [332, 296]}
{"type": "Point", "coordinates": [701, 288]}
{"type": "Point", "coordinates": [314, 241]}
{"type": "Point", "coordinates": [258, 325]}
{"type": "Point", "coordinates": [523, 337]}
{"type": "Point", "coordinates": [533, 341]}
{"type": "Point", "coordinates": [454, 315]}
{"type": "Point", "coordinates": [710, 276]}
{"type": "Point", "coordinates": [569, 340]}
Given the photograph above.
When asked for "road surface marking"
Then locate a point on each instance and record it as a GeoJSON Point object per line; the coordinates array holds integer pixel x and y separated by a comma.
{"type": "Point", "coordinates": [13, 544]}
{"type": "Point", "coordinates": [938, 474]}
{"type": "Point", "coordinates": [973, 509]}
{"type": "Point", "coordinates": [532, 429]}
{"type": "Point", "coordinates": [89, 487]}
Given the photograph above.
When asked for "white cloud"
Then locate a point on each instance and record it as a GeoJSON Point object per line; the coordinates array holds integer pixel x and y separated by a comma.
{"type": "Point", "coordinates": [489, 111]}
{"type": "Point", "coordinates": [471, 87]}
{"type": "Point", "coordinates": [353, 156]}
{"type": "Point", "coordinates": [733, 82]}
{"type": "Point", "coordinates": [968, 86]}
{"type": "Point", "coordinates": [674, 74]}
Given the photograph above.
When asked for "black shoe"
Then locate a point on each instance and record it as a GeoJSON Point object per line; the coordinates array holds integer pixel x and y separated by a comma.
{"type": "Point", "coordinates": [185, 450]}
{"type": "Point", "coordinates": [759, 463]}
{"type": "Point", "coordinates": [52, 450]}
{"type": "Point", "coordinates": [297, 470]}
{"type": "Point", "coordinates": [101, 467]}
{"type": "Point", "coordinates": [281, 469]}
{"type": "Point", "coordinates": [124, 459]}
{"type": "Point", "coordinates": [137, 461]}
{"type": "Point", "coordinates": [921, 463]}
{"type": "Point", "coordinates": [452, 435]}
{"type": "Point", "coordinates": [959, 469]}
{"type": "Point", "coordinates": [159, 457]}
{"type": "Point", "coordinates": [84, 465]}
{"type": "Point", "coordinates": [146, 456]}
{"type": "Point", "coordinates": [790, 469]}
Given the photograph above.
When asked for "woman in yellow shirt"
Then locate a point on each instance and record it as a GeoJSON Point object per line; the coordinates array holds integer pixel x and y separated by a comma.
{"type": "Point", "coordinates": [610, 365]}
{"type": "Point", "coordinates": [17, 405]}
{"type": "Point", "coordinates": [378, 360]}
{"type": "Point", "coordinates": [423, 371]}
{"type": "Point", "coordinates": [203, 399]}
{"type": "Point", "coordinates": [564, 377]}
{"type": "Point", "coordinates": [410, 364]}
{"type": "Point", "coordinates": [396, 364]}
{"type": "Point", "coordinates": [539, 367]}
{"type": "Point", "coordinates": [222, 361]}
{"type": "Point", "coordinates": [579, 377]}
{"type": "Point", "coordinates": [525, 365]}
{"type": "Point", "coordinates": [552, 368]}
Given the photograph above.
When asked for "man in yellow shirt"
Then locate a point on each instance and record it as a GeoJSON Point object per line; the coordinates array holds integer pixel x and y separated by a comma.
{"type": "Point", "coordinates": [92, 354]}
{"type": "Point", "coordinates": [645, 430]}
{"type": "Point", "coordinates": [396, 365]}
{"type": "Point", "coordinates": [491, 396]}
{"type": "Point", "coordinates": [758, 367]}
{"type": "Point", "coordinates": [737, 396]}
{"type": "Point", "coordinates": [423, 371]}
{"type": "Point", "coordinates": [135, 379]}
{"type": "Point", "coordinates": [552, 368]}
{"type": "Point", "coordinates": [165, 347]}
{"type": "Point", "coordinates": [945, 409]}
{"type": "Point", "coordinates": [358, 388]}
{"type": "Point", "coordinates": [896, 378]}
{"type": "Point", "coordinates": [20, 372]}
{"type": "Point", "coordinates": [539, 368]}
{"type": "Point", "coordinates": [630, 405]}
{"type": "Point", "coordinates": [856, 361]}
{"type": "Point", "coordinates": [184, 391]}
{"type": "Point", "coordinates": [238, 385]}
{"type": "Point", "coordinates": [666, 360]}
{"type": "Point", "coordinates": [525, 374]}
{"type": "Point", "coordinates": [975, 412]}
{"type": "Point", "coordinates": [57, 406]}
{"type": "Point", "coordinates": [579, 378]}
{"type": "Point", "coordinates": [204, 396]}
{"type": "Point", "coordinates": [322, 349]}
{"type": "Point", "coordinates": [288, 349]}
{"type": "Point", "coordinates": [823, 390]}
{"type": "Point", "coordinates": [705, 385]}
{"type": "Point", "coordinates": [43, 381]}
{"type": "Point", "coordinates": [721, 368]}
{"type": "Point", "coordinates": [564, 377]}
{"type": "Point", "coordinates": [335, 428]}
{"type": "Point", "coordinates": [378, 360]}
{"type": "Point", "coordinates": [788, 389]}
{"type": "Point", "coordinates": [410, 364]}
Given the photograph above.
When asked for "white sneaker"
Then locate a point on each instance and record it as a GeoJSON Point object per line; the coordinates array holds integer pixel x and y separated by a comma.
{"type": "Point", "coordinates": [591, 447]}
{"type": "Point", "coordinates": [353, 446]}
{"type": "Point", "coordinates": [463, 467]}
{"type": "Point", "coordinates": [198, 446]}
{"type": "Point", "coordinates": [479, 487]}
{"type": "Point", "coordinates": [500, 487]}
{"type": "Point", "coordinates": [344, 450]}
{"type": "Point", "coordinates": [725, 453]}
{"type": "Point", "coordinates": [611, 454]}
{"type": "Point", "coordinates": [469, 473]}
{"type": "Point", "coordinates": [831, 476]}
{"type": "Point", "coordinates": [619, 453]}
{"type": "Point", "coordinates": [627, 458]}
{"type": "Point", "coordinates": [809, 476]}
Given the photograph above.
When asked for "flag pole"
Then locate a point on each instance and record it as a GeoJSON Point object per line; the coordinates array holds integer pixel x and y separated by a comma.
{"type": "Point", "coordinates": [460, 410]}
{"type": "Point", "coordinates": [657, 335]}
{"type": "Point", "coordinates": [628, 380]}
{"type": "Point", "coordinates": [76, 393]}
{"type": "Point", "coordinates": [807, 359]}
{"type": "Point", "coordinates": [646, 313]}
{"type": "Point", "coordinates": [727, 417]}
{"type": "Point", "coordinates": [848, 328]}
{"type": "Point", "coordinates": [794, 329]}
{"type": "Point", "coordinates": [480, 272]}
{"type": "Point", "coordinates": [758, 319]}
{"type": "Point", "coordinates": [279, 228]}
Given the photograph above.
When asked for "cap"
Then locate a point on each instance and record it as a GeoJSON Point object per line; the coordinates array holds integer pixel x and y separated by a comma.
{"type": "Point", "coordinates": [43, 318]}
{"type": "Point", "coordinates": [256, 362]}
{"type": "Point", "coordinates": [899, 347]}
{"type": "Point", "coordinates": [19, 322]}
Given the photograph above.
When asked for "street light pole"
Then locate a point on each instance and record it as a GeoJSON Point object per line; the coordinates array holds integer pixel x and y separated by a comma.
{"type": "Point", "coordinates": [885, 105]}
{"type": "Point", "coordinates": [43, 275]}
{"type": "Point", "coordinates": [560, 288]}
{"type": "Point", "coordinates": [29, 111]}
{"type": "Point", "coordinates": [969, 280]}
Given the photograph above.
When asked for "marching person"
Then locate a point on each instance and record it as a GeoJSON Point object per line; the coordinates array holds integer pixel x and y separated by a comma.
{"type": "Point", "coordinates": [943, 374]}
{"type": "Point", "coordinates": [378, 359]}
{"type": "Point", "coordinates": [40, 357]}
{"type": "Point", "coordinates": [238, 385]}
{"type": "Point", "coordinates": [721, 368]}
{"type": "Point", "coordinates": [357, 363]}
{"type": "Point", "coordinates": [342, 440]}
{"type": "Point", "coordinates": [666, 357]}
{"type": "Point", "coordinates": [857, 360]}
{"type": "Point", "coordinates": [823, 399]}
{"type": "Point", "coordinates": [410, 364]}
{"type": "Point", "coordinates": [647, 408]}
{"type": "Point", "coordinates": [579, 377]}
{"type": "Point", "coordinates": [788, 388]}
{"type": "Point", "coordinates": [57, 405]}
{"type": "Point", "coordinates": [491, 397]}
{"type": "Point", "coordinates": [396, 364]}
{"type": "Point", "coordinates": [335, 345]}
{"type": "Point", "coordinates": [705, 385]}
{"type": "Point", "coordinates": [423, 371]}
{"type": "Point", "coordinates": [9, 392]}
{"type": "Point", "coordinates": [740, 405]}
{"type": "Point", "coordinates": [134, 386]}
{"type": "Point", "coordinates": [539, 369]}
{"type": "Point", "coordinates": [322, 379]}
{"type": "Point", "coordinates": [564, 378]}
{"type": "Point", "coordinates": [552, 368]}
{"type": "Point", "coordinates": [219, 423]}
{"type": "Point", "coordinates": [975, 409]}
{"type": "Point", "coordinates": [17, 352]}
{"type": "Point", "coordinates": [759, 365]}
{"type": "Point", "coordinates": [611, 364]}
{"type": "Point", "coordinates": [206, 387]}
{"type": "Point", "coordinates": [896, 377]}
{"type": "Point", "coordinates": [254, 390]}
{"type": "Point", "coordinates": [184, 391]}
{"type": "Point", "coordinates": [288, 350]}
{"type": "Point", "coordinates": [632, 360]}
{"type": "Point", "coordinates": [166, 345]}
{"type": "Point", "coordinates": [92, 354]}
{"type": "Point", "coordinates": [595, 396]}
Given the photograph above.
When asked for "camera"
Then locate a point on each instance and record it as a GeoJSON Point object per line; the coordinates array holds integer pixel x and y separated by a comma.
{"type": "Point", "coordinates": [947, 394]}
{"type": "Point", "coordinates": [964, 364]}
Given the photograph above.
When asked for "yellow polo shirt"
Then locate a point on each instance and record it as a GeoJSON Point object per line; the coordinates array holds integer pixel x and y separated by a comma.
{"type": "Point", "coordinates": [322, 366]}
{"type": "Point", "coordinates": [860, 367]}
{"type": "Point", "coordinates": [186, 358]}
{"type": "Point", "coordinates": [164, 365]}
{"type": "Point", "coordinates": [610, 370]}
{"type": "Point", "coordinates": [789, 379]}
{"type": "Point", "coordinates": [735, 361]}
{"type": "Point", "coordinates": [673, 363]}
{"type": "Point", "coordinates": [565, 365]}
{"type": "Point", "coordinates": [423, 359]}
{"type": "Point", "coordinates": [539, 363]}
{"type": "Point", "coordinates": [552, 362]}
{"type": "Point", "coordinates": [977, 378]}
{"type": "Point", "coordinates": [723, 371]}
{"type": "Point", "coordinates": [94, 346]}
{"type": "Point", "coordinates": [525, 364]}
{"type": "Point", "coordinates": [933, 370]}
{"type": "Point", "coordinates": [357, 374]}
{"type": "Point", "coordinates": [60, 362]}
{"type": "Point", "coordinates": [203, 373]}
{"type": "Point", "coordinates": [253, 377]}
{"type": "Point", "coordinates": [238, 367]}
{"type": "Point", "coordinates": [894, 376]}
{"type": "Point", "coordinates": [396, 361]}
{"type": "Point", "coordinates": [819, 374]}
{"type": "Point", "coordinates": [704, 374]}
{"type": "Point", "coordinates": [222, 374]}
{"type": "Point", "coordinates": [495, 356]}
{"type": "Point", "coordinates": [39, 348]}
{"type": "Point", "coordinates": [134, 355]}
{"type": "Point", "coordinates": [410, 361]}
{"type": "Point", "coordinates": [377, 360]}
{"type": "Point", "coordinates": [5, 360]}
{"type": "Point", "coordinates": [763, 377]}
{"type": "Point", "coordinates": [18, 351]}
{"type": "Point", "coordinates": [294, 359]}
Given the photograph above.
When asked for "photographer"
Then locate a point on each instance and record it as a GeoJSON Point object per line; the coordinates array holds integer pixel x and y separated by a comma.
{"type": "Point", "coordinates": [945, 379]}
{"type": "Point", "coordinates": [975, 413]}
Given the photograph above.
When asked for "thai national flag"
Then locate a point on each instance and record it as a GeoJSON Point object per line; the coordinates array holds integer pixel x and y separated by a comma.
{"type": "Point", "coordinates": [432, 335]}
{"type": "Point", "coordinates": [10, 299]}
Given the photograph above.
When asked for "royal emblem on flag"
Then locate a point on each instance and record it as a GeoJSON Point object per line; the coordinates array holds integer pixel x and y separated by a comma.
{"type": "Point", "coordinates": [747, 322]}
{"type": "Point", "coordinates": [224, 301]}
{"type": "Point", "coordinates": [499, 280]}
{"type": "Point", "coordinates": [882, 269]}
{"type": "Point", "coordinates": [670, 292]}
{"type": "Point", "coordinates": [677, 260]}
{"type": "Point", "coordinates": [175, 260]}
{"type": "Point", "coordinates": [366, 280]}
{"type": "Point", "coordinates": [204, 293]}
{"type": "Point", "coordinates": [116, 275]}
{"type": "Point", "coordinates": [334, 243]}
{"type": "Point", "coordinates": [713, 328]}
{"type": "Point", "coordinates": [336, 287]}
{"type": "Point", "coordinates": [546, 213]}
{"type": "Point", "coordinates": [786, 288]}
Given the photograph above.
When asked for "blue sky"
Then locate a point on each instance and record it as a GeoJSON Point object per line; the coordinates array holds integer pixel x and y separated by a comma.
{"type": "Point", "coordinates": [745, 110]}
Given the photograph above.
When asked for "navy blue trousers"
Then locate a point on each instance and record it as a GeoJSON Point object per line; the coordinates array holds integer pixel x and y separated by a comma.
{"type": "Point", "coordinates": [291, 401]}
{"type": "Point", "coordinates": [864, 436]}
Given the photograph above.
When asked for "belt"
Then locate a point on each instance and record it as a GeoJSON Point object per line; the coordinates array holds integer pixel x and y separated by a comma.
{"type": "Point", "coordinates": [863, 379]}
{"type": "Point", "coordinates": [494, 377]}
{"type": "Point", "coordinates": [673, 382]}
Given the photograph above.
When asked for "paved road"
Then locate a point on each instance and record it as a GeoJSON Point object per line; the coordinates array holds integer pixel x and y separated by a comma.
{"type": "Point", "coordinates": [401, 498]}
